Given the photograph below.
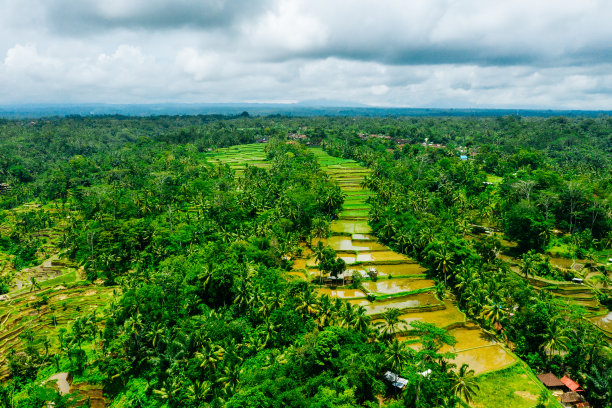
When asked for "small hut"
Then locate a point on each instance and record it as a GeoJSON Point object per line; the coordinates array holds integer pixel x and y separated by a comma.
{"type": "Point", "coordinates": [573, 399]}
{"type": "Point", "coordinates": [551, 381]}
{"type": "Point", "coordinates": [395, 380]}
{"type": "Point", "coordinates": [571, 384]}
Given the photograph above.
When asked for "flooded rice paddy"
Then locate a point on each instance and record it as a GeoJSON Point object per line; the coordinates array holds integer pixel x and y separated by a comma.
{"type": "Point", "coordinates": [350, 227]}
{"type": "Point", "coordinates": [604, 322]}
{"type": "Point", "coordinates": [341, 293]}
{"type": "Point", "coordinates": [399, 269]}
{"type": "Point", "coordinates": [343, 243]}
{"type": "Point", "coordinates": [405, 302]}
{"type": "Point", "coordinates": [485, 359]}
{"type": "Point", "coordinates": [390, 286]}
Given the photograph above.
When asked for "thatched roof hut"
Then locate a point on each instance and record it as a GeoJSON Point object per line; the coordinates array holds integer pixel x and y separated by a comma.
{"type": "Point", "coordinates": [551, 381]}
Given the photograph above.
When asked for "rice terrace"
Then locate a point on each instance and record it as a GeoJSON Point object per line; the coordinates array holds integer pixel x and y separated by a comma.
{"type": "Point", "coordinates": [244, 261]}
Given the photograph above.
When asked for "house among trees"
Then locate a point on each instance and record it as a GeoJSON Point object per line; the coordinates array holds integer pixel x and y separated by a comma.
{"type": "Point", "coordinates": [395, 380]}
{"type": "Point", "coordinates": [571, 384]}
{"type": "Point", "coordinates": [573, 400]}
{"type": "Point", "coordinates": [553, 383]}
{"type": "Point", "coordinates": [558, 387]}
{"type": "Point", "coordinates": [4, 187]}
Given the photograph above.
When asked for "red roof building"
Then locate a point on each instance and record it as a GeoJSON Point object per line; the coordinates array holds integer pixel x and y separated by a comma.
{"type": "Point", "coordinates": [571, 384]}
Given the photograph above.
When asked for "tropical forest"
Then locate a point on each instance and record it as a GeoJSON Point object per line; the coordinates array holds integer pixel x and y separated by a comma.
{"type": "Point", "coordinates": [247, 261]}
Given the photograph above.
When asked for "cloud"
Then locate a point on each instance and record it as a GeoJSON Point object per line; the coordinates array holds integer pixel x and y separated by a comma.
{"type": "Point", "coordinates": [507, 53]}
{"type": "Point", "coordinates": [91, 16]}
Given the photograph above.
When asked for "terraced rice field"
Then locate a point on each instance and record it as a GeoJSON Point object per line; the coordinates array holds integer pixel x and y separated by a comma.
{"type": "Point", "coordinates": [401, 283]}
{"type": "Point", "coordinates": [45, 312]}
{"type": "Point", "coordinates": [237, 157]}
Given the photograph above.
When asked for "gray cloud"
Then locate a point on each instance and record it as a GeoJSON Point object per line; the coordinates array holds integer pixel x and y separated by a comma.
{"type": "Point", "coordinates": [464, 53]}
{"type": "Point", "coordinates": [91, 16]}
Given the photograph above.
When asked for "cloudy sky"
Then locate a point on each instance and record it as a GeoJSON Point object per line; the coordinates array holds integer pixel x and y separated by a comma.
{"type": "Point", "coordinates": [411, 53]}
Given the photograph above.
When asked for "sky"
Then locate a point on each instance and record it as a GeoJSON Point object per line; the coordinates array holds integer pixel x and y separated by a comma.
{"type": "Point", "coordinates": [406, 53]}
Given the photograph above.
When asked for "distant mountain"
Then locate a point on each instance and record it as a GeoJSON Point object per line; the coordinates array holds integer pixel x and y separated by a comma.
{"type": "Point", "coordinates": [316, 107]}
{"type": "Point", "coordinates": [330, 103]}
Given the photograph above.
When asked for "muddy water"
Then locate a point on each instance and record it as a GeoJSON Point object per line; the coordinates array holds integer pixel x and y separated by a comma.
{"type": "Point", "coordinates": [340, 243]}
{"type": "Point", "coordinates": [566, 263]}
{"type": "Point", "coordinates": [403, 269]}
{"type": "Point", "coordinates": [383, 256]}
{"type": "Point", "coordinates": [341, 293]}
{"type": "Point", "coordinates": [468, 339]}
{"type": "Point", "coordinates": [484, 359]}
{"type": "Point", "coordinates": [419, 300]}
{"type": "Point", "coordinates": [390, 286]}
{"type": "Point", "coordinates": [349, 259]}
{"type": "Point", "coordinates": [605, 322]}
{"type": "Point", "coordinates": [359, 302]}
{"type": "Point", "coordinates": [364, 237]}
{"type": "Point", "coordinates": [441, 318]}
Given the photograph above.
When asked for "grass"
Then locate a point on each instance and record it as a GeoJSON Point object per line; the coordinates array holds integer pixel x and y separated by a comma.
{"type": "Point", "coordinates": [354, 213]}
{"type": "Point", "coordinates": [494, 179]}
{"type": "Point", "coordinates": [65, 280]}
{"type": "Point", "coordinates": [511, 387]}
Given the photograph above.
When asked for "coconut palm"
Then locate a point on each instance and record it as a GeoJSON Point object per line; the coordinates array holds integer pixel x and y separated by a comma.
{"type": "Point", "coordinates": [493, 313]}
{"type": "Point", "coordinates": [464, 384]}
{"type": "Point", "coordinates": [210, 355]}
{"type": "Point", "coordinates": [555, 339]}
{"type": "Point", "coordinates": [397, 355]}
{"type": "Point", "coordinates": [326, 313]}
{"type": "Point", "coordinates": [361, 321]}
{"type": "Point", "coordinates": [199, 391]}
{"type": "Point", "coordinates": [347, 315]}
{"type": "Point", "coordinates": [307, 303]}
{"type": "Point", "coordinates": [443, 260]}
{"type": "Point", "coordinates": [390, 325]}
{"type": "Point", "coordinates": [229, 379]}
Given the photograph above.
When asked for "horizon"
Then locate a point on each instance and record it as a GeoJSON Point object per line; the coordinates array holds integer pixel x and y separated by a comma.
{"type": "Point", "coordinates": [259, 109]}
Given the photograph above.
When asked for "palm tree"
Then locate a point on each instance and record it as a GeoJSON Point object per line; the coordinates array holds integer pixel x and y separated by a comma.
{"type": "Point", "coordinates": [347, 315]}
{"type": "Point", "coordinates": [34, 284]}
{"type": "Point", "coordinates": [443, 260]}
{"type": "Point", "coordinates": [199, 391]}
{"type": "Point", "coordinates": [464, 384]}
{"type": "Point", "coordinates": [229, 379]}
{"type": "Point", "coordinates": [211, 354]}
{"type": "Point", "coordinates": [388, 229]}
{"type": "Point", "coordinates": [307, 304]}
{"type": "Point", "coordinates": [361, 321]}
{"type": "Point", "coordinates": [397, 355]}
{"type": "Point", "coordinates": [319, 254]}
{"type": "Point", "coordinates": [494, 313]}
{"type": "Point", "coordinates": [529, 264]}
{"type": "Point", "coordinates": [599, 382]}
{"type": "Point", "coordinates": [326, 313]}
{"type": "Point", "coordinates": [170, 389]}
{"type": "Point", "coordinates": [391, 324]}
{"type": "Point", "coordinates": [555, 340]}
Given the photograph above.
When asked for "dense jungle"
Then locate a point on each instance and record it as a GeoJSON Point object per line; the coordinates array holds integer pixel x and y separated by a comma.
{"type": "Point", "coordinates": [245, 261]}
